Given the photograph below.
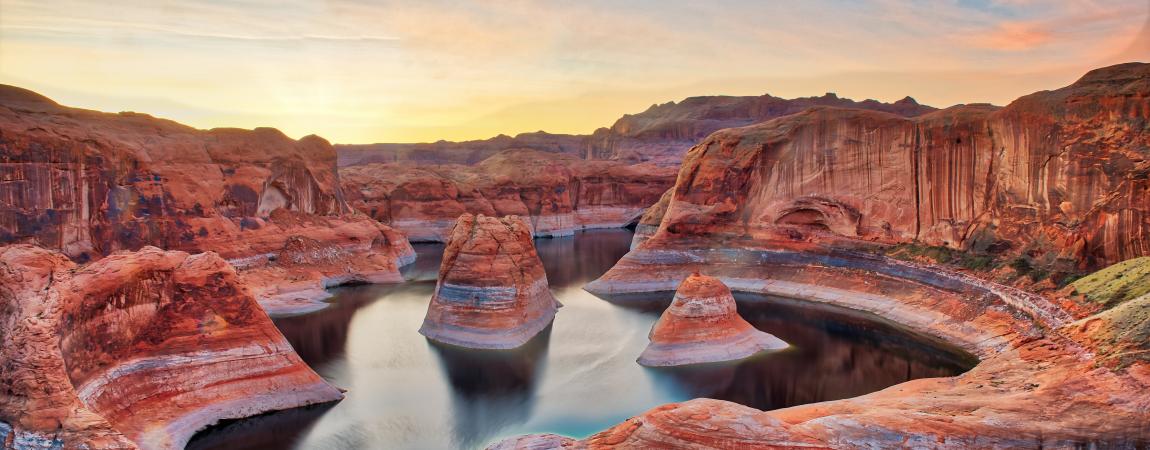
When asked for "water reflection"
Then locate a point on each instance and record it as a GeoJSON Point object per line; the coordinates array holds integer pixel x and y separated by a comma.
{"type": "Point", "coordinates": [577, 261]}
{"type": "Point", "coordinates": [491, 389]}
{"type": "Point", "coordinates": [833, 355]}
{"type": "Point", "coordinates": [281, 429]}
{"type": "Point", "coordinates": [576, 378]}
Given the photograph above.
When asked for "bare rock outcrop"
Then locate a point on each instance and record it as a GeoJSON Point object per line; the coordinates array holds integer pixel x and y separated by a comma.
{"type": "Point", "coordinates": [492, 291]}
{"type": "Point", "coordinates": [89, 184]}
{"type": "Point", "coordinates": [558, 194]}
{"type": "Point", "coordinates": [136, 349]}
{"type": "Point", "coordinates": [800, 206]}
{"type": "Point", "coordinates": [1057, 176]}
{"type": "Point", "coordinates": [702, 325]}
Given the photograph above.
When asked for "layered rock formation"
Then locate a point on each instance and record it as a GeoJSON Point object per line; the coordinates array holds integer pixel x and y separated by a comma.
{"type": "Point", "coordinates": [558, 194]}
{"type": "Point", "coordinates": [1043, 378]}
{"type": "Point", "coordinates": [90, 183]}
{"type": "Point", "coordinates": [660, 135]}
{"type": "Point", "coordinates": [562, 183]}
{"type": "Point", "coordinates": [492, 291]}
{"type": "Point", "coordinates": [136, 349]}
{"type": "Point", "coordinates": [797, 206]}
{"type": "Point", "coordinates": [1057, 176]}
{"type": "Point", "coordinates": [702, 325]}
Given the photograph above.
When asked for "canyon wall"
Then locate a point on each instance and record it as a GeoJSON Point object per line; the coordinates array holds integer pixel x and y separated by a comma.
{"type": "Point", "coordinates": [89, 184]}
{"type": "Point", "coordinates": [803, 207]}
{"type": "Point", "coordinates": [659, 135]}
{"type": "Point", "coordinates": [1059, 177]}
{"type": "Point", "coordinates": [556, 193]}
{"type": "Point", "coordinates": [136, 349]}
{"type": "Point", "coordinates": [561, 183]}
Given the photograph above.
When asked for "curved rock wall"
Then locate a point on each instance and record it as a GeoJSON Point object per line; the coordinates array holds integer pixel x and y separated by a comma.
{"type": "Point", "coordinates": [139, 348]}
{"type": "Point", "coordinates": [90, 184]}
{"type": "Point", "coordinates": [1055, 176]}
{"type": "Point", "coordinates": [1059, 175]}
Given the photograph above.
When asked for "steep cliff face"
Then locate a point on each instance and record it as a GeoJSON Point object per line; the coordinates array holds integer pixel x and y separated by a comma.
{"type": "Point", "coordinates": [659, 135]}
{"type": "Point", "coordinates": [492, 292]}
{"type": "Point", "coordinates": [557, 194]}
{"type": "Point", "coordinates": [1058, 176]}
{"type": "Point", "coordinates": [139, 348]}
{"type": "Point", "coordinates": [90, 183]}
{"type": "Point", "coordinates": [784, 208]}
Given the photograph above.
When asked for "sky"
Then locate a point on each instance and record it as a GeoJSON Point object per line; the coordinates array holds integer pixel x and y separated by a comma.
{"type": "Point", "coordinates": [360, 71]}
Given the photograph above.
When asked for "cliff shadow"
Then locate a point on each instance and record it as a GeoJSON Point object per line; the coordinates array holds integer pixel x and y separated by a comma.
{"type": "Point", "coordinates": [832, 356]}
{"type": "Point", "coordinates": [279, 429]}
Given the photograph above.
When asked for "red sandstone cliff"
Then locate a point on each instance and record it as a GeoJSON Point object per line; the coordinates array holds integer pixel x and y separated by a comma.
{"type": "Point", "coordinates": [1057, 176]}
{"type": "Point", "coordinates": [136, 349]}
{"type": "Point", "coordinates": [91, 183]}
{"type": "Point", "coordinates": [556, 193]}
{"type": "Point", "coordinates": [784, 208]}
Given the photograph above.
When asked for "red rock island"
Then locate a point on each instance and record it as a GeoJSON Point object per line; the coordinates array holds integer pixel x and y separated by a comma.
{"type": "Point", "coordinates": [703, 326]}
{"type": "Point", "coordinates": [492, 291]}
{"type": "Point", "coordinates": [137, 349]}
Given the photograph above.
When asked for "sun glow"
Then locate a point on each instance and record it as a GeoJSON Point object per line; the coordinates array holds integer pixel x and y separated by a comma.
{"type": "Point", "coordinates": [422, 71]}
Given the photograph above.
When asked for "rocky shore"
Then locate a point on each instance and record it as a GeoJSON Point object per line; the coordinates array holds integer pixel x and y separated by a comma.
{"type": "Point", "coordinates": [139, 349]}
{"type": "Point", "coordinates": [1055, 179]}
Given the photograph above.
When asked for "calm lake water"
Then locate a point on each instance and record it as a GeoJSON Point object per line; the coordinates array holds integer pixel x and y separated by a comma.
{"type": "Point", "coordinates": [576, 378]}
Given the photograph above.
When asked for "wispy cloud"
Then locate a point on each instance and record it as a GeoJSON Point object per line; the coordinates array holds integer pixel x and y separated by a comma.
{"type": "Point", "coordinates": [392, 70]}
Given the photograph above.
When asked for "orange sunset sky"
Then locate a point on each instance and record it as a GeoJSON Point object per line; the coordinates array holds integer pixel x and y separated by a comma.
{"type": "Point", "coordinates": [406, 71]}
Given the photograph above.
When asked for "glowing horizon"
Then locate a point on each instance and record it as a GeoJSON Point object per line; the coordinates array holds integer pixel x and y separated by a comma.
{"type": "Point", "coordinates": [359, 72]}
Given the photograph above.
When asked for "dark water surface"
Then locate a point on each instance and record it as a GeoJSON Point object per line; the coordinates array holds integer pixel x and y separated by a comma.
{"type": "Point", "coordinates": [576, 378]}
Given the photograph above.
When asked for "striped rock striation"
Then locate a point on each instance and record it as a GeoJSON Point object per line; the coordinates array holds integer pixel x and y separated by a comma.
{"type": "Point", "coordinates": [492, 291]}
{"type": "Point", "coordinates": [138, 349]}
{"type": "Point", "coordinates": [801, 207]}
{"type": "Point", "coordinates": [89, 184]}
{"type": "Point", "coordinates": [702, 325]}
{"type": "Point", "coordinates": [557, 194]}
{"type": "Point", "coordinates": [1059, 177]}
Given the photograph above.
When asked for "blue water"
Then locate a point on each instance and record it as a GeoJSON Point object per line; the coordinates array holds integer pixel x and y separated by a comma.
{"type": "Point", "coordinates": [576, 378]}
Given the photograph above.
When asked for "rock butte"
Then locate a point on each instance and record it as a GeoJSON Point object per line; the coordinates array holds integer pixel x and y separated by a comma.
{"type": "Point", "coordinates": [89, 184]}
{"type": "Point", "coordinates": [492, 292]}
{"type": "Point", "coordinates": [702, 325]}
{"type": "Point", "coordinates": [136, 349]}
{"type": "Point", "coordinates": [558, 194]}
{"type": "Point", "coordinates": [789, 208]}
